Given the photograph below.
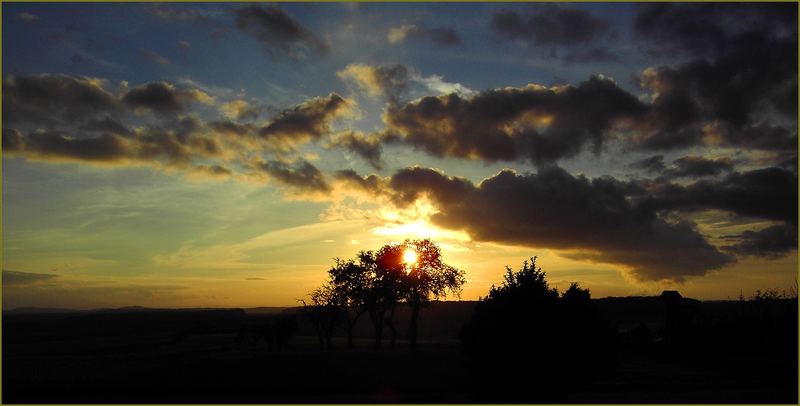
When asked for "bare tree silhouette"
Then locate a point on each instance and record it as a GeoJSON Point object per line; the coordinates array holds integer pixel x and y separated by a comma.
{"type": "Point", "coordinates": [325, 313]}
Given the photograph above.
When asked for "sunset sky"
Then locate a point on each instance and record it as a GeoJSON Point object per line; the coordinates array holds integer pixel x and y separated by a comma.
{"type": "Point", "coordinates": [183, 155]}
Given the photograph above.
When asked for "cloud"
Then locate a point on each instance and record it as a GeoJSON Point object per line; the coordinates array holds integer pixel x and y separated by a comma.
{"type": "Point", "coordinates": [279, 33]}
{"type": "Point", "coordinates": [390, 81]}
{"type": "Point", "coordinates": [155, 58]}
{"type": "Point", "coordinates": [304, 122]}
{"type": "Point", "coordinates": [686, 167]}
{"type": "Point", "coordinates": [59, 118]}
{"type": "Point", "coordinates": [46, 100]}
{"type": "Point", "coordinates": [768, 193]}
{"type": "Point", "coordinates": [551, 26]}
{"type": "Point", "coordinates": [24, 278]}
{"type": "Point", "coordinates": [409, 184]}
{"type": "Point", "coordinates": [370, 184]}
{"type": "Point", "coordinates": [184, 44]}
{"type": "Point", "coordinates": [442, 36]}
{"type": "Point", "coordinates": [534, 122]}
{"type": "Point", "coordinates": [696, 166]}
{"type": "Point", "coordinates": [27, 17]}
{"type": "Point", "coordinates": [44, 145]}
{"type": "Point", "coordinates": [737, 91]}
{"type": "Point", "coordinates": [437, 84]}
{"type": "Point", "coordinates": [367, 147]}
{"type": "Point", "coordinates": [105, 125]}
{"type": "Point", "coordinates": [164, 98]}
{"type": "Point", "coordinates": [708, 28]}
{"type": "Point", "coordinates": [394, 81]}
{"type": "Point", "coordinates": [240, 110]}
{"type": "Point", "coordinates": [771, 242]}
{"type": "Point", "coordinates": [147, 146]}
{"type": "Point", "coordinates": [653, 164]}
{"type": "Point", "coordinates": [302, 175]}
{"type": "Point", "coordinates": [553, 209]}
{"type": "Point", "coordinates": [212, 171]}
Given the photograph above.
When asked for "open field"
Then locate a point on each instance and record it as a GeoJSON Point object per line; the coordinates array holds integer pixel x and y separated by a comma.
{"type": "Point", "coordinates": [142, 356]}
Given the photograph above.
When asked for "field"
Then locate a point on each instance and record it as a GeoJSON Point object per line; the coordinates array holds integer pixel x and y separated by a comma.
{"type": "Point", "coordinates": [170, 356]}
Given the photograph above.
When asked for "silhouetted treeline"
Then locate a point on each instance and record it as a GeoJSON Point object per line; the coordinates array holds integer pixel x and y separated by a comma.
{"type": "Point", "coordinates": [528, 343]}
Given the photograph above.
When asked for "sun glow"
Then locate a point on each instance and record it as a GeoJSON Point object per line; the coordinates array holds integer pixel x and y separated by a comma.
{"type": "Point", "coordinates": [409, 257]}
{"type": "Point", "coordinates": [418, 229]}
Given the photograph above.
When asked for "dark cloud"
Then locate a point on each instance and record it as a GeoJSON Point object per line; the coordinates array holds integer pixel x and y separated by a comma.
{"type": "Point", "coordinates": [231, 128]}
{"type": "Point", "coordinates": [371, 184]}
{"type": "Point", "coordinates": [769, 193]}
{"type": "Point", "coordinates": [707, 28]}
{"type": "Point", "coordinates": [653, 164]}
{"type": "Point", "coordinates": [390, 81]}
{"type": "Point", "coordinates": [279, 33]}
{"type": "Point", "coordinates": [105, 125]}
{"type": "Point", "coordinates": [307, 121]}
{"type": "Point", "coordinates": [696, 166]}
{"type": "Point", "coordinates": [533, 122]}
{"type": "Point", "coordinates": [367, 147]}
{"type": "Point", "coordinates": [771, 242]}
{"type": "Point", "coordinates": [553, 209]}
{"type": "Point", "coordinates": [444, 36]}
{"type": "Point", "coordinates": [174, 146]}
{"type": "Point", "coordinates": [163, 98]}
{"type": "Point", "coordinates": [55, 145]}
{"type": "Point", "coordinates": [761, 136]}
{"type": "Point", "coordinates": [407, 185]}
{"type": "Point", "coordinates": [301, 175]}
{"type": "Point", "coordinates": [551, 26]}
{"type": "Point", "coordinates": [739, 81]}
{"type": "Point", "coordinates": [24, 278]}
{"type": "Point", "coordinates": [685, 167]}
{"type": "Point", "coordinates": [49, 100]}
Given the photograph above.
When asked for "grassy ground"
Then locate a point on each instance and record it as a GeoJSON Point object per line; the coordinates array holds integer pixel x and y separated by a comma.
{"type": "Point", "coordinates": [139, 358]}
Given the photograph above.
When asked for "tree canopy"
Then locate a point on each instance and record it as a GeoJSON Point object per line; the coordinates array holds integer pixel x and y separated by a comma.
{"type": "Point", "coordinates": [527, 343]}
{"type": "Point", "coordinates": [375, 282]}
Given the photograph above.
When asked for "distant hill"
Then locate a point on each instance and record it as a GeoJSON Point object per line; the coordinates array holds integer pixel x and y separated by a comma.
{"type": "Point", "coordinates": [39, 310]}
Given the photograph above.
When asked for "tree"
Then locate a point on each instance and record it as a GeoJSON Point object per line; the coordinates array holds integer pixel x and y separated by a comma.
{"type": "Point", "coordinates": [427, 279]}
{"type": "Point", "coordinates": [377, 281]}
{"type": "Point", "coordinates": [325, 312]}
{"type": "Point", "coordinates": [351, 282]}
{"type": "Point", "coordinates": [526, 343]}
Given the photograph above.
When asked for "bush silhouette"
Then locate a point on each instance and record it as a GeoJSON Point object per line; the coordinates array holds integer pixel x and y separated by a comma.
{"type": "Point", "coordinates": [526, 343]}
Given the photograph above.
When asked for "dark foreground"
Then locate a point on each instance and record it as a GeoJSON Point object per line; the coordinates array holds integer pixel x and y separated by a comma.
{"type": "Point", "coordinates": [146, 356]}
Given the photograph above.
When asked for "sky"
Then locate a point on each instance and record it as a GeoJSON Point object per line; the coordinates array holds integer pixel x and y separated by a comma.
{"type": "Point", "coordinates": [223, 154]}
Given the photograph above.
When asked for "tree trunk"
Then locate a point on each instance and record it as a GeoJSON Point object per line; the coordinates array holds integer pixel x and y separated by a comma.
{"type": "Point", "coordinates": [390, 323]}
{"type": "Point", "coordinates": [379, 333]}
{"type": "Point", "coordinates": [350, 329]}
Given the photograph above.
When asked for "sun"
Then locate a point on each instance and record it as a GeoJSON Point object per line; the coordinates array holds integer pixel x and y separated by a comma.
{"type": "Point", "coordinates": [409, 257]}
